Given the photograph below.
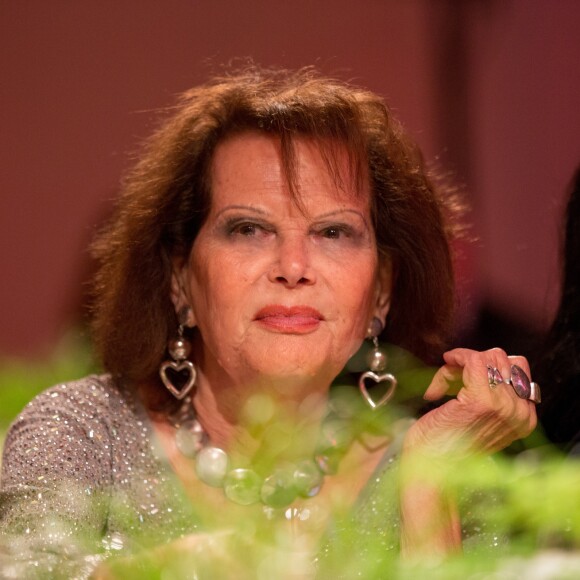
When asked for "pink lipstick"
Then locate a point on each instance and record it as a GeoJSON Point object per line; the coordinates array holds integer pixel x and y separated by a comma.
{"type": "Point", "coordinates": [289, 319]}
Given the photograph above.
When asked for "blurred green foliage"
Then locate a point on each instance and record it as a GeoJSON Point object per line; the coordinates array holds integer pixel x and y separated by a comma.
{"type": "Point", "coordinates": [534, 510]}
{"type": "Point", "coordinates": [530, 528]}
{"type": "Point", "coordinates": [22, 379]}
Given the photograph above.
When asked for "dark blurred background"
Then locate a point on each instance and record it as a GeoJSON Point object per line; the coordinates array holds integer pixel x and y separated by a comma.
{"type": "Point", "coordinates": [489, 88]}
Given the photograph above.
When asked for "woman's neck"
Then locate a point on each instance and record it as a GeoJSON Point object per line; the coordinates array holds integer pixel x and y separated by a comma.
{"type": "Point", "coordinates": [261, 419]}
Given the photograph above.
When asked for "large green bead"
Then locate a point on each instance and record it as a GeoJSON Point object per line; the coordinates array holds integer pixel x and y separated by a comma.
{"type": "Point", "coordinates": [242, 486]}
{"type": "Point", "coordinates": [278, 490]}
{"type": "Point", "coordinates": [307, 478]}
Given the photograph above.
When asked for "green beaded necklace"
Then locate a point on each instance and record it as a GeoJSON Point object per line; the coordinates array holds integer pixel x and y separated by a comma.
{"type": "Point", "coordinates": [245, 486]}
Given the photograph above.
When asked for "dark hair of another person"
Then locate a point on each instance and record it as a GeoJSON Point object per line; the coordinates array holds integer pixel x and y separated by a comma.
{"type": "Point", "coordinates": [167, 197]}
{"type": "Point", "coordinates": [559, 369]}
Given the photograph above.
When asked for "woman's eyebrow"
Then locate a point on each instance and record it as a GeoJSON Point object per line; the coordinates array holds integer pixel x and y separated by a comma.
{"type": "Point", "coordinates": [340, 211]}
{"type": "Point", "coordinates": [242, 207]}
{"type": "Point", "coordinates": [264, 212]}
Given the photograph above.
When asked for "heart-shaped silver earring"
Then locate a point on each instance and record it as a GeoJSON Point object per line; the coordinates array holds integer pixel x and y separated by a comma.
{"type": "Point", "coordinates": [387, 377]}
{"type": "Point", "coordinates": [377, 361]}
{"type": "Point", "coordinates": [178, 375]}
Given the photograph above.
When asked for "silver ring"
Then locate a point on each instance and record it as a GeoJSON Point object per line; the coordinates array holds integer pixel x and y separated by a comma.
{"type": "Point", "coordinates": [494, 377]}
{"type": "Point", "coordinates": [523, 387]}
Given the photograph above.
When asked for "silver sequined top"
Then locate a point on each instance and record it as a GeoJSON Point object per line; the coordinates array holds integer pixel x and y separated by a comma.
{"type": "Point", "coordinates": [83, 478]}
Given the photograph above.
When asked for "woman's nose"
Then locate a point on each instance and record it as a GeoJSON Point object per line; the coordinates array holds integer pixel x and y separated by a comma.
{"type": "Point", "coordinates": [292, 264]}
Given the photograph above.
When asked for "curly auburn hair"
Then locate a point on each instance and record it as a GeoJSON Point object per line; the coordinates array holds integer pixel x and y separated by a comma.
{"type": "Point", "coordinates": [166, 198]}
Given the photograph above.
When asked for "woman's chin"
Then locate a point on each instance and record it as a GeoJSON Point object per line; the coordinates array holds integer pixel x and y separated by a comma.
{"type": "Point", "coordinates": [285, 363]}
{"type": "Point", "coordinates": [296, 373]}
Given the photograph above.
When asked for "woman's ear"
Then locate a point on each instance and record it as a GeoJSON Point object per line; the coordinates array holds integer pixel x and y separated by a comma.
{"type": "Point", "coordinates": [179, 295]}
{"type": "Point", "coordinates": [384, 290]}
{"type": "Point", "coordinates": [382, 305]}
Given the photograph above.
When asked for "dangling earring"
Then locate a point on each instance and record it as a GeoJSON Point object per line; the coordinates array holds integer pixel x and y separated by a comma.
{"type": "Point", "coordinates": [178, 375]}
{"type": "Point", "coordinates": [377, 361]}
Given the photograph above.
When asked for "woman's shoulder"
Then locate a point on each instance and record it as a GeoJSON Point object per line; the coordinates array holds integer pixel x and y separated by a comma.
{"type": "Point", "coordinates": [85, 397]}
{"type": "Point", "coordinates": [73, 429]}
{"type": "Point", "coordinates": [94, 408]}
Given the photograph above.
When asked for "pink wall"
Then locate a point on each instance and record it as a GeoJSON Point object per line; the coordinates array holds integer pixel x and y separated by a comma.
{"type": "Point", "coordinates": [80, 79]}
{"type": "Point", "coordinates": [526, 145]}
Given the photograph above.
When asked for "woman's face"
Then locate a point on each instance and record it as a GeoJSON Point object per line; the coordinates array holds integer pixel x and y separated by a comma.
{"type": "Point", "coordinates": [278, 292]}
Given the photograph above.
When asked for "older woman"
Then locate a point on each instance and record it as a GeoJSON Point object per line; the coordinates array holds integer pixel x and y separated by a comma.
{"type": "Point", "coordinates": [273, 223]}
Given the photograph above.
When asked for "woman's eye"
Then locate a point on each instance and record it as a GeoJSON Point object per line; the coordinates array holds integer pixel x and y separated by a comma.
{"type": "Point", "coordinates": [334, 232]}
{"type": "Point", "coordinates": [248, 229]}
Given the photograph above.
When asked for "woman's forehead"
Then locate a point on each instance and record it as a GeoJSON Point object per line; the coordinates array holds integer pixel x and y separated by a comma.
{"type": "Point", "coordinates": [260, 161]}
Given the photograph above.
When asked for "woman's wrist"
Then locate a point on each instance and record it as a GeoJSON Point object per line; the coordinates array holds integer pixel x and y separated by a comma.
{"type": "Point", "coordinates": [430, 524]}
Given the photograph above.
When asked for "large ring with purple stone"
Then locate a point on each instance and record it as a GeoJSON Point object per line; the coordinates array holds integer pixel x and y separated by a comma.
{"type": "Point", "coordinates": [523, 387]}
{"type": "Point", "coordinates": [494, 377]}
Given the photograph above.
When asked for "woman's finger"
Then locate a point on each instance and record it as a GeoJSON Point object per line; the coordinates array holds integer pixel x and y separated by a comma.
{"type": "Point", "coordinates": [471, 369]}
{"type": "Point", "coordinates": [447, 380]}
{"type": "Point", "coordinates": [462, 367]}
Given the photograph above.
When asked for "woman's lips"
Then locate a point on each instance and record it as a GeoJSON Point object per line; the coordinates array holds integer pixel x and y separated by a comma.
{"type": "Point", "coordinates": [289, 319]}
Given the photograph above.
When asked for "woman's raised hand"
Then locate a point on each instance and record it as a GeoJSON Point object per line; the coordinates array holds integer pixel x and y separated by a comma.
{"type": "Point", "coordinates": [483, 417]}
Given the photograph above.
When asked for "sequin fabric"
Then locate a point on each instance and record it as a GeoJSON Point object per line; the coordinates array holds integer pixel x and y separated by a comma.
{"type": "Point", "coordinates": [81, 479]}
{"type": "Point", "coordinates": [366, 543]}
